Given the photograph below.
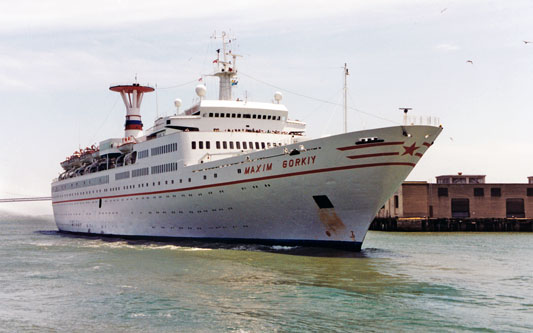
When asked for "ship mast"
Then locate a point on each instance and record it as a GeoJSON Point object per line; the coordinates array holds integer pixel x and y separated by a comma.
{"type": "Point", "coordinates": [226, 69]}
{"type": "Point", "coordinates": [345, 98]}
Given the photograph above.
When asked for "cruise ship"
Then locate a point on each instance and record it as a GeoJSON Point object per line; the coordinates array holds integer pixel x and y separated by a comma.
{"type": "Point", "coordinates": [231, 170]}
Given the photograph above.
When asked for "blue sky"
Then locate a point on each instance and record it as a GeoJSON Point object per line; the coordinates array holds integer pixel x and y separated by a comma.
{"type": "Point", "coordinates": [58, 58]}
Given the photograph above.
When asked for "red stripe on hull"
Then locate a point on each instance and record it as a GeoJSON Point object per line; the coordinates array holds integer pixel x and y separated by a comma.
{"type": "Point", "coordinates": [418, 154]}
{"type": "Point", "coordinates": [427, 144]}
{"type": "Point", "coordinates": [369, 145]}
{"type": "Point", "coordinates": [372, 155]}
{"type": "Point", "coordinates": [348, 167]}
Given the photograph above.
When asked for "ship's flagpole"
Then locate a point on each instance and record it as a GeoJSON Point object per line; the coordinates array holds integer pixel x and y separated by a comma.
{"type": "Point", "coordinates": [345, 98]}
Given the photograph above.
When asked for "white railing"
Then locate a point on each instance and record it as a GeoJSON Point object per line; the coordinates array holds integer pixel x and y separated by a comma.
{"type": "Point", "coordinates": [421, 120]}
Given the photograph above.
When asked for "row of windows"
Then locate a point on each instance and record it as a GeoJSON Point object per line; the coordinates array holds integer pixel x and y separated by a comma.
{"type": "Point", "coordinates": [142, 154]}
{"type": "Point", "coordinates": [233, 145]}
{"type": "Point", "coordinates": [139, 172]}
{"type": "Point", "coordinates": [169, 167]}
{"type": "Point", "coordinates": [480, 192]}
{"type": "Point", "coordinates": [122, 175]}
{"type": "Point", "coordinates": [164, 149]}
{"type": "Point", "coordinates": [89, 182]}
{"type": "Point", "coordinates": [246, 116]}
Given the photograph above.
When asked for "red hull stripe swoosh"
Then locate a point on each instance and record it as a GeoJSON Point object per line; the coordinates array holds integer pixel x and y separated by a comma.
{"type": "Point", "coordinates": [427, 144]}
{"type": "Point", "coordinates": [396, 143]}
{"type": "Point", "coordinates": [347, 167]}
{"type": "Point", "coordinates": [418, 154]}
{"type": "Point", "coordinates": [372, 155]}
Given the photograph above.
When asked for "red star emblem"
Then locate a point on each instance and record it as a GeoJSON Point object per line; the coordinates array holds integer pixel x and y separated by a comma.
{"type": "Point", "coordinates": [410, 150]}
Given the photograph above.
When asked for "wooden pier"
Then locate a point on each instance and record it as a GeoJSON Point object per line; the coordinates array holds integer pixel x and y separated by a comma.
{"type": "Point", "coordinates": [452, 224]}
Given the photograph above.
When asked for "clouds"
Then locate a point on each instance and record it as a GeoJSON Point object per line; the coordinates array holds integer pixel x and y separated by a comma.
{"type": "Point", "coordinates": [57, 59]}
{"type": "Point", "coordinates": [447, 47]}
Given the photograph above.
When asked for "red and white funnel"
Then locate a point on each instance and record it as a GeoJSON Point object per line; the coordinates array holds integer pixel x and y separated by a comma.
{"type": "Point", "coordinates": [132, 96]}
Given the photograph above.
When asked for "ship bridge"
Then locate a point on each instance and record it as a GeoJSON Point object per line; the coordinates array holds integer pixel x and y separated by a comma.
{"type": "Point", "coordinates": [237, 116]}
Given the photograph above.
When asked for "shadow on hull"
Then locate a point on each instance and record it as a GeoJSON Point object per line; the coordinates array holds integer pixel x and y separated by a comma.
{"type": "Point", "coordinates": [292, 247]}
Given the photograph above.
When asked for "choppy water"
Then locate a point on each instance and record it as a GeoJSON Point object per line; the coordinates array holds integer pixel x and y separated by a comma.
{"type": "Point", "coordinates": [449, 282]}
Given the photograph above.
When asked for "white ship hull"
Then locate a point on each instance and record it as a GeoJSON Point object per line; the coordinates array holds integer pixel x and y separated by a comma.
{"type": "Point", "coordinates": [326, 195]}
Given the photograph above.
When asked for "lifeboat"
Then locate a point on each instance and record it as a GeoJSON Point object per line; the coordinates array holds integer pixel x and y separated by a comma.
{"type": "Point", "coordinates": [127, 144]}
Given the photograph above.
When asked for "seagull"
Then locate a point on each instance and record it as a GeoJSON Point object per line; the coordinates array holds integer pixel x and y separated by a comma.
{"type": "Point", "coordinates": [527, 42]}
{"type": "Point", "coordinates": [470, 61]}
{"type": "Point", "coordinates": [442, 11]}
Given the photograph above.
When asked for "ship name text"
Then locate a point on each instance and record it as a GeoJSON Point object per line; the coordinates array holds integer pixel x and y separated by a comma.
{"type": "Point", "coordinates": [258, 168]}
{"type": "Point", "coordinates": [300, 161]}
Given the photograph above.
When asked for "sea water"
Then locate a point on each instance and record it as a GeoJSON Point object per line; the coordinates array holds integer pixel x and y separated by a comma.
{"type": "Point", "coordinates": [428, 282]}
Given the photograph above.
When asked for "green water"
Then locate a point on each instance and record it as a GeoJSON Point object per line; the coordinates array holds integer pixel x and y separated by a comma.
{"type": "Point", "coordinates": [440, 282]}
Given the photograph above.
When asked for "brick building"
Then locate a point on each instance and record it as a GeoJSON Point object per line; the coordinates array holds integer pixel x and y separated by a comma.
{"type": "Point", "coordinates": [460, 196]}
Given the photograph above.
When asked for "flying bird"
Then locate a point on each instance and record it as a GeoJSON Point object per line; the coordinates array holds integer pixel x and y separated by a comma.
{"type": "Point", "coordinates": [442, 11]}
{"type": "Point", "coordinates": [526, 42]}
{"type": "Point", "coordinates": [470, 61]}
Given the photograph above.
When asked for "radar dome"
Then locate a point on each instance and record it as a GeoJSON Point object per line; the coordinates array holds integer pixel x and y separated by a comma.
{"type": "Point", "coordinates": [201, 90]}
{"type": "Point", "coordinates": [278, 96]}
{"type": "Point", "coordinates": [177, 103]}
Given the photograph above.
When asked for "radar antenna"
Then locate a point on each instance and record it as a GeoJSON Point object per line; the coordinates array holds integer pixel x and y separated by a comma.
{"type": "Point", "coordinates": [226, 70]}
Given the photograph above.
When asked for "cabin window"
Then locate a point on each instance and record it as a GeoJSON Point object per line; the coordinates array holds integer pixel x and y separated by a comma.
{"type": "Point", "coordinates": [211, 114]}
{"type": "Point", "coordinates": [227, 115]}
{"type": "Point", "coordinates": [193, 144]}
{"type": "Point", "coordinates": [218, 144]}
{"type": "Point", "coordinates": [200, 145]}
{"type": "Point", "coordinates": [269, 117]}
{"type": "Point", "coordinates": [268, 144]}
{"type": "Point", "coordinates": [254, 116]}
{"type": "Point", "coordinates": [262, 145]}
{"type": "Point", "coordinates": [251, 145]}
{"type": "Point", "coordinates": [208, 145]}
{"type": "Point", "coordinates": [246, 116]}
{"type": "Point", "coordinates": [264, 116]}
{"type": "Point", "coordinates": [216, 115]}
{"type": "Point", "coordinates": [238, 144]}
{"type": "Point", "coordinates": [224, 145]}
{"type": "Point", "coordinates": [257, 145]}
{"type": "Point", "coordinates": [231, 145]}
{"type": "Point", "coordinates": [244, 145]}
{"type": "Point", "coordinates": [238, 115]}
{"type": "Point", "coordinates": [221, 115]}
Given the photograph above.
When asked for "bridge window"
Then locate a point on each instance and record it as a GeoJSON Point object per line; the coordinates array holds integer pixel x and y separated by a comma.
{"type": "Point", "coordinates": [238, 144]}
{"type": "Point", "coordinates": [218, 144]}
{"type": "Point", "coordinates": [257, 145]}
{"type": "Point", "coordinates": [193, 144]}
{"type": "Point", "coordinates": [225, 144]}
{"type": "Point", "coordinates": [244, 145]}
{"type": "Point", "coordinates": [200, 145]}
{"type": "Point", "coordinates": [231, 145]}
{"type": "Point", "coordinates": [208, 144]}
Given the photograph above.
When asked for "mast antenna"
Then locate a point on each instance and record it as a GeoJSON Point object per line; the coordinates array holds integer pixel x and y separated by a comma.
{"type": "Point", "coordinates": [226, 67]}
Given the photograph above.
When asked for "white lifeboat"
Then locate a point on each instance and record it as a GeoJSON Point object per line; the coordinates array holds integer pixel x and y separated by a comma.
{"type": "Point", "coordinates": [127, 144]}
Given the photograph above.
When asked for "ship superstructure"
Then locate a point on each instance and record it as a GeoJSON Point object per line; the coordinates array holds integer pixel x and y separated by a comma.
{"type": "Point", "coordinates": [232, 170]}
